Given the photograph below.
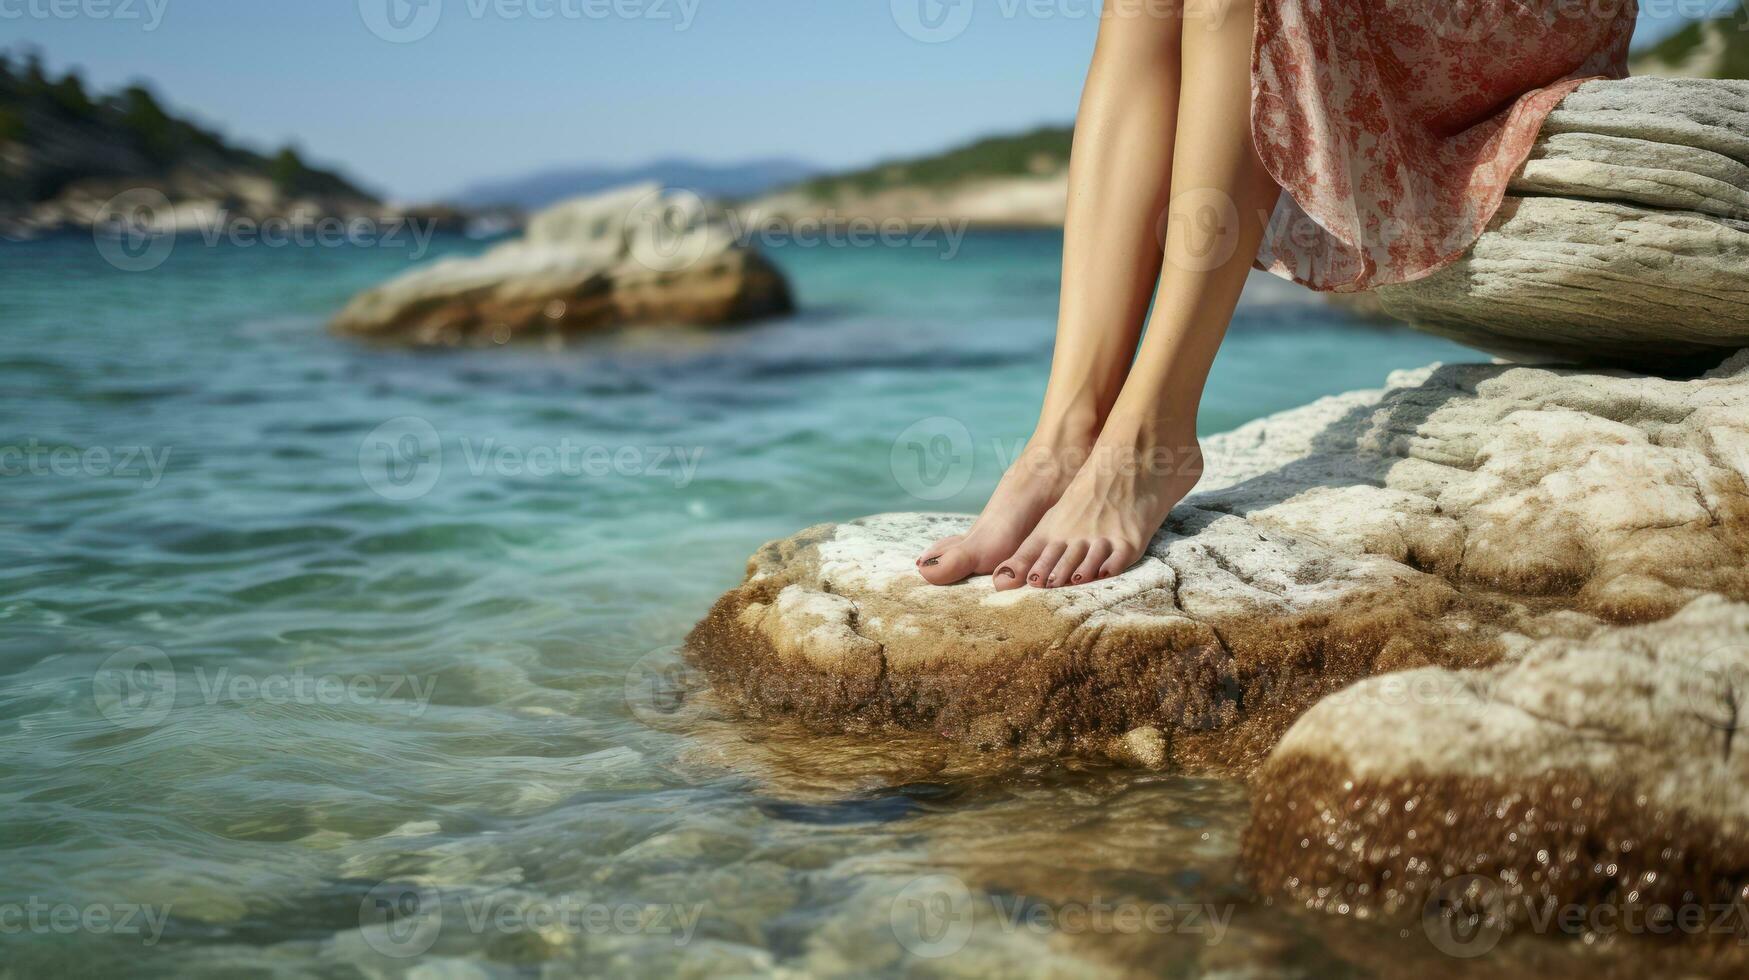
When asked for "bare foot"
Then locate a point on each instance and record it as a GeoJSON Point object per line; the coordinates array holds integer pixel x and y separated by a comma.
{"type": "Point", "coordinates": [1102, 523]}
{"type": "Point", "coordinates": [1032, 484]}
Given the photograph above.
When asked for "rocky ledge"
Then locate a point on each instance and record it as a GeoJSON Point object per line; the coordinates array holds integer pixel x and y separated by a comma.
{"type": "Point", "coordinates": [1593, 765]}
{"type": "Point", "coordinates": [1503, 610]}
{"type": "Point", "coordinates": [637, 256]}
{"type": "Point", "coordinates": [1623, 242]}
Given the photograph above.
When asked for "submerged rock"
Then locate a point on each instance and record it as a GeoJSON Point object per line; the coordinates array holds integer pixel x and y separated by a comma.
{"type": "Point", "coordinates": [1624, 240]}
{"type": "Point", "coordinates": [637, 256]}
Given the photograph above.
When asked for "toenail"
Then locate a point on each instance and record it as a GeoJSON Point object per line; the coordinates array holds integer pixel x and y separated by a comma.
{"type": "Point", "coordinates": [1076, 577]}
{"type": "Point", "coordinates": [1033, 579]}
{"type": "Point", "coordinates": [1004, 571]}
{"type": "Point", "coordinates": [932, 561]}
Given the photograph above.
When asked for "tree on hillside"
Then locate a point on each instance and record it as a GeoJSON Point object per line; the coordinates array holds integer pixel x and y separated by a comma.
{"type": "Point", "coordinates": [152, 129]}
{"type": "Point", "coordinates": [69, 95]}
{"type": "Point", "coordinates": [287, 170]}
{"type": "Point", "coordinates": [35, 79]}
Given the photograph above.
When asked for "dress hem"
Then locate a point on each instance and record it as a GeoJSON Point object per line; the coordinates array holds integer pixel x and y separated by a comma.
{"type": "Point", "coordinates": [1529, 111]}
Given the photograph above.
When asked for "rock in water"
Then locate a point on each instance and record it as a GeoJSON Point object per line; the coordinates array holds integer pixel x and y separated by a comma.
{"type": "Point", "coordinates": [1370, 532]}
{"type": "Point", "coordinates": [629, 257]}
{"type": "Point", "coordinates": [1597, 768]}
{"type": "Point", "coordinates": [1624, 241]}
{"type": "Point", "coordinates": [1508, 607]}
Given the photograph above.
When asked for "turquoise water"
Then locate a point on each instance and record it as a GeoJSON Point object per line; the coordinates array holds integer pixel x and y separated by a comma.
{"type": "Point", "coordinates": [314, 658]}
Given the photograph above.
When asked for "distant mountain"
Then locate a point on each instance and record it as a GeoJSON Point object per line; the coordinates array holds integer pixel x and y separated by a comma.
{"type": "Point", "coordinates": [735, 180]}
{"type": "Point", "coordinates": [64, 152]}
{"type": "Point", "coordinates": [1717, 48]}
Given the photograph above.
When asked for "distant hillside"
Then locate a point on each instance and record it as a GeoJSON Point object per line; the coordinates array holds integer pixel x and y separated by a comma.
{"type": "Point", "coordinates": [63, 148]}
{"type": "Point", "coordinates": [711, 180]}
{"type": "Point", "coordinates": [1717, 48]}
{"type": "Point", "coordinates": [1014, 181]}
{"type": "Point", "coordinates": [1041, 152]}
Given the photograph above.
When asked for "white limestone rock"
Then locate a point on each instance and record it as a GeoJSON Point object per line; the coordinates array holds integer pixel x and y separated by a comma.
{"type": "Point", "coordinates": [1624, 241]}
{"type": "Point", "coordinates": [1426, 523]}
{"type": "Point", "coordinates": [636, 256]}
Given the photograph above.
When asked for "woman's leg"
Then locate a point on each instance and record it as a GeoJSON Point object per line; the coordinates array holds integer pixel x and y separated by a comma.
{"type": "Point", "coordinates": [1147, 456]}
{"type": "Point", "coordinates": [1119, 174]}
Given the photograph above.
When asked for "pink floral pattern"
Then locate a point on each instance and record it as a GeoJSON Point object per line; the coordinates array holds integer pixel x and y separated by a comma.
{"type": "Point", "coordinates": [1395, 125]}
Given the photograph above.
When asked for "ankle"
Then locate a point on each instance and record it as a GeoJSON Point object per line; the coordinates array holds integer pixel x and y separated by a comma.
{"type": "Point", "coordinates": [1169, 420]}
{"type": "Point", "coordinates": [1168, 435]}
{"type": "Point", "coordinates": [1075, 425]}
{"type": "Point", "coordinates": [1150, 459]}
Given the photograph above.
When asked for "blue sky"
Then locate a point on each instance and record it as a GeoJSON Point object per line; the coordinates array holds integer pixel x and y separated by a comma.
{"type": "Point", "coordinates": [465, 89]}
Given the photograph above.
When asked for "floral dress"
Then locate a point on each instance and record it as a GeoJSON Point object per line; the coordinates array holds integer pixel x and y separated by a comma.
{"type": "Point", "coordinates": [1395, 125]}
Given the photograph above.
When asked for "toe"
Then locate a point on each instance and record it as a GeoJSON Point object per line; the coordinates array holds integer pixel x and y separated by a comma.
{"type": "Point", "coordinates": [1066, 564]}
{"type": "Point", "coordinates": [1012, 573]}
{"type": "Point", "coordinates": [1123, 555]}
{"type": "Point", "coordinates": [954, 563]}
{"type": "Point", "coordinates": [935, 550]}
{"type": "Point", "coordinates": [1044, 564]}
{"type": "Point", "coordinates": [1088, 570]}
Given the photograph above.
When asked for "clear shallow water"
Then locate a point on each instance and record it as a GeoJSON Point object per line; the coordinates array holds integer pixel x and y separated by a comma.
{"type": "Point", "coordinates": [280, 687]}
